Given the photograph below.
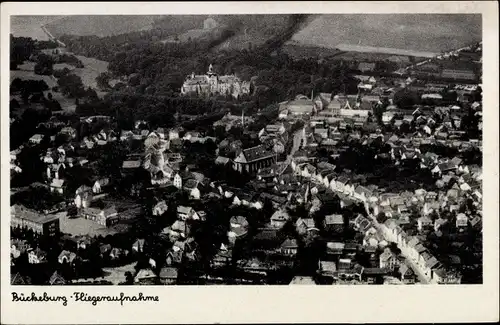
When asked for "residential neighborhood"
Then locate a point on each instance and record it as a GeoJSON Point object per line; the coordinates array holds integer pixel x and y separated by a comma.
{"type": "Point", "coordinates": [375, 180]}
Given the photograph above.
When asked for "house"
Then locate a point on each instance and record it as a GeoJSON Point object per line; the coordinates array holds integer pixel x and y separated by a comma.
{"type": "Point", "coordinates": [57, 186]}
{"type": "Point", "coordinates": [18, 247]}
{"type": "Point", "coordinates": [178, 229]}
{"type": "Point", "coordinates": [223, 257]}
{"type": "Point", "coordinates": [335, 248]}
{"type": "Point", "coordinates": [160, 208]}
{"type": "Point", "coordinates": [129, 165]}
{"type": "Point", "coordinates": [430, 263]}
{"type": "Point", "coordinates": [105, 217]}
{"type": "Point", "coordinates": [66, 257]}
{"type": "Point", "coordinates": [252, 159]}
{"type": "Point", "coordinates": [279, 218]}
{"type": "Point", "coordinates": [56, 170]}
{"type": "Point", "coordinates": [145, 277]}
{"type": "Point", "coordinates": [116, 253]}
{"type": "Point", "coordinates": [362, 193]}
{"type": "Point", "coordinates": [36, 139]}
{"type": "Point", "coordinates": [461, 221]}
{"type": "Point", "coordinates": [222, 161]}
{"type": "Point", "coordinates": [168, 275]}
{"type": "Point", "coordinates": [191, 186]}
{"type": "Point", "coordinates": [176, 253]}
{"type": "Point", "coordinates": [388, 260]}
{"type": "Point", "coordinates": [104, 249]}
{"type": "Point", "coordinates": [444, 167]}
{"type": "Point", "coordinates": [186, 213]}
{"type": "Point", "coordinates": [56, 279]}
{"type": "Point", "coordinates": [18, 279]}
{"type": "Point", "coordinates": [68, 131]}
{"type": "Point", "coordinates": [443, 276]}
{"type": "Point", "coordinates": [438, 223]}
{"type": "Point", "coordinates": [424, 222]}
{"type": "Point", "coordinates": [37, 256]}
{"type": "Point", "coordinates": [334, 223]}
{"type": "Point", "coordinates": [476, 222]}
{"type": "Point", "coordinates": [238, 226]}
{"type": "Point", "coordinates": [83, 197]}
{"type": "Point", "coordinates": [407, 275]}
{"type": "Point", "coordinates": [327, 268]}
{"type": "Point", "coordinates": [177, 181]}
{"type": "Point", "coordinates": [302, 280]}
{"type": "Point", "coordinates": [138, 246]}
{"type": "Point", "coordinates": [289, 247]}
{"type": "Point", "coordinates": [366, 66]}
{"type": "Point", "coordinates": [373, 274]}
{"type": "Point", "coordinates": [304, 224]}
{"type": "Point", "coordinates": [99, 184]}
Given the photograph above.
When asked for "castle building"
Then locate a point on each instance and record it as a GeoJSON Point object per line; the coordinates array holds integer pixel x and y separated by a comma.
{"type": "Point", "coordinates": [212, 84]}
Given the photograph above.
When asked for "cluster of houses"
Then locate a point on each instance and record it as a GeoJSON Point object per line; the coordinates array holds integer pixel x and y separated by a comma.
{"type": "Point", "coordinates": [393, 228]}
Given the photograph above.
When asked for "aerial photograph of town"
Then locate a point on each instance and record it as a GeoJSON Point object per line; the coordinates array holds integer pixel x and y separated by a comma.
{"type": "Point", "coordinates": [256, 149]}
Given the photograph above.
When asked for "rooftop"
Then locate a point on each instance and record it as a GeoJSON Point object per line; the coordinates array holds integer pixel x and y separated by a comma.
{"type": "Point", "coordinates": [22, 212]}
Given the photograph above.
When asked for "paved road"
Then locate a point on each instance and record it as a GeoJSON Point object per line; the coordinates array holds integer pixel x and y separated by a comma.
{"type": "Point", "coordinates": [297, 138]}
{"type": "Point", "coordinates": [414, 267]}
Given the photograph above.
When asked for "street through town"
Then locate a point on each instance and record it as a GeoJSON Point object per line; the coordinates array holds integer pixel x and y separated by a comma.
{"type": "Point", "coordinates": [421, 278]}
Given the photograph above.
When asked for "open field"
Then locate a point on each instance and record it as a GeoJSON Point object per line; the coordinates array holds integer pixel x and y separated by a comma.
{"type": "Point", "coordinates": [302, 51]}
{"type": "Point", "coordinates": [26, 72]}
{"type": "Point", "coordinates": [100, 25]}
{"type": "Point", "coordinates": [192, 34]}
{"type": "Point", "coordinates": [419, 32]}
{"type": "Point", "coordinates": [29, 26]}
{"type": "Point", "coordinates": [384, 50]}
{"type": "Point", "coordinates": [92, 68]}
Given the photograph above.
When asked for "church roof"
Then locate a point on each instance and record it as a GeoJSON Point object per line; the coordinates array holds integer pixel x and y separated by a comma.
{"type": "Point", "coordinates": [256, 153]}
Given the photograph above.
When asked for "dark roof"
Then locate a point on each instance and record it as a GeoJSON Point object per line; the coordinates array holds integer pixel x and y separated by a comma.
{"type": "Point", "coordinates": [334, 219]}
{"type": "Point", "coordinates": [366, 66]}
{"type": "Point", "coordinates": [168, 272]}
{"type": "Point", "coordinates": [289, 243]}
{"type": "Point", "coordinates": [374, 271]}
{"type": "Point", "coordinates": [257, 153]}
{"type": "Point", "coordinates": [18, 279]}
{"type": "Point", "coordinates": [56, 279]}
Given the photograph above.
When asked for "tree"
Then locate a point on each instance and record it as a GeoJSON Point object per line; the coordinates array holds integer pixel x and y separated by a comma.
{"type": "Point", "coordinates": [44, 65]}
{"type": "Point", "coordinates": [71, 85]}
{"type": "Point", "coordinates": [381, 217]}
{"type": "Point", "coordinates": [129, 278]}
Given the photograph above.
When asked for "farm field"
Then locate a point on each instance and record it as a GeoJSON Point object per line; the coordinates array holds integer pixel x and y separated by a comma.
{"type": "Point", "coordinates": [425, 32]}
{"type": "Point", "coordinates": [184, 37]}
{"type": "Point", "coordinates": [302, 51]}
{"type": "Point", "coordinates": [26, 72]}
{"type": "Point", "coordinates": [385, 50]}
{"type": "Point", "coordinates": [100, 25]}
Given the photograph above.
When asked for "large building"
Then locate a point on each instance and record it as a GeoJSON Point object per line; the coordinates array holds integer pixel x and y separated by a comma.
{"type": "Point", "coordinates": [252, 159]}
{"type": "Point", "coordinates": [213, 84]}
{"type": "Point", "coordinates": [298, 107]}
{"type": "Point", "coordinates": [43, 224]}
{"type": "Point", "coordinates": [458, 74]}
